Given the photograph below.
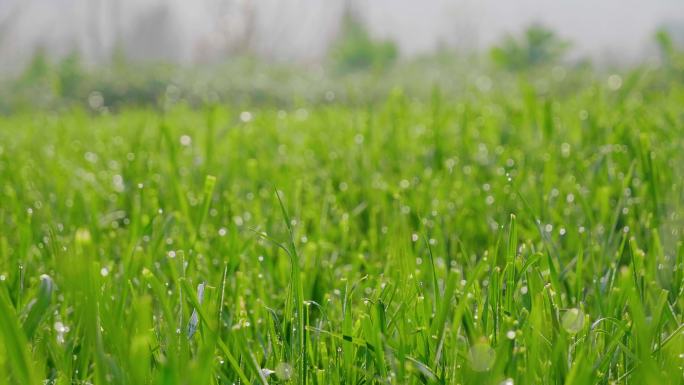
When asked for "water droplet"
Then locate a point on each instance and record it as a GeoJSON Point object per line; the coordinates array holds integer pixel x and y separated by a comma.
{"type": "Point", "coordinates": [267, 372]}
{"type": "Point", "coordinates": [614, 82]}
{"type": "Point", "coordinates": [104, 272]}
{"type": "Point", "coordinates": [82, 236]}
{"type": "Point", "coordinates": [246, 116]}
{"type": "Point", "coordinates": [95, 100]}
{"type": "Point", "coordinates": [61, 329]}
{"type": "Point", "coordinates": [573, 320]}
{"type": "Point", "coordinates": [482, 357]}
{"type": "Point", "coordinates": [510, 334]}
{"type": "Point", "coordinates": [283, 371]}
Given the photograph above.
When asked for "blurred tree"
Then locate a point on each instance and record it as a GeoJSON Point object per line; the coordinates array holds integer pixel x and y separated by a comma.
{"type": "Point", "coordinates": [356, 50]}
{"type": "Point", "coordinates": [37, 72]}
{"type": "Point", "coordinates": [70, 76]}
{"type": "Point", "coordinates": [537, 46]}
{"type": "Point", "coordinates": [36, 86]}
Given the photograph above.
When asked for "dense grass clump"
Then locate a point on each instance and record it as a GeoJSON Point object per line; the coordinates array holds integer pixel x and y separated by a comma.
{"type": "Point", "coordinates": [509, 237]}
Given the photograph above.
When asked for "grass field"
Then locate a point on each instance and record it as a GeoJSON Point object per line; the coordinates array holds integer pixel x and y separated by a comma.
{"type": "Point", "coordinates": [508, 237]}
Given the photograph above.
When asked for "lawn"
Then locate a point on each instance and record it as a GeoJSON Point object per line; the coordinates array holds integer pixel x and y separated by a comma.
{"type": "Point", "coordinates": [506, 236]}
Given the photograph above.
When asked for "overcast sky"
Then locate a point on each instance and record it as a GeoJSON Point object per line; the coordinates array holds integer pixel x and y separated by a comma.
{"type": "Point", "coordinates": [300, 30]}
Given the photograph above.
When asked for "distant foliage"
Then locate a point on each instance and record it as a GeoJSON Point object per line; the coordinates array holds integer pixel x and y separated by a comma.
{"type": "Point", "coordinates": [537, 46]}
{"type": "Point", "coordinates": [356, 50]}
{"type": "Point", "coordinates": [37, 70]}
{"type": "Point", "coordinates": [70, 76]}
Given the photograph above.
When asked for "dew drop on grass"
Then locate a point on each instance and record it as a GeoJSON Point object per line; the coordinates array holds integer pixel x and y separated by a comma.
{"type": "Point", "coordinates": [573, 320]}
{"type": "Point", "coordinates": [90, 157]}
{"type": "Point", "coordinates": [283, 371]}
{"type": "Point", "coordinates": [510, 334]}
{"type": "Point", "coordinates": [246, 116]}
{"type": "Point", "coordinates": [82, 236]}
{"type": "Point", "coordinates": [61, 329]}
{"type": "Point", "coordinates": [482, 357]}
{"type": "Point", "coordinates": [614, 82]}
{"type": "Point", "coordinates": [508, 381]}
{"type": "Point", "coordinates": [104, 272]}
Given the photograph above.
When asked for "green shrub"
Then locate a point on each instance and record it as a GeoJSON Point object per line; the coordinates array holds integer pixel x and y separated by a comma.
{"type": "Point", "coordinates": [537, 46]}
{"type": "Point", "coordinates": [355, 49]}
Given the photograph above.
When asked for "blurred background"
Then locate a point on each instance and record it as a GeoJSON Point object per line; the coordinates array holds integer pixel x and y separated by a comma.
{"type": "Point", "coordinates": [113, 52]}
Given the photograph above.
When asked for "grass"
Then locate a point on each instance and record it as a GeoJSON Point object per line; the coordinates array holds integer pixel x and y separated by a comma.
{"type": "Point", "coordinates": [509, 237]}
